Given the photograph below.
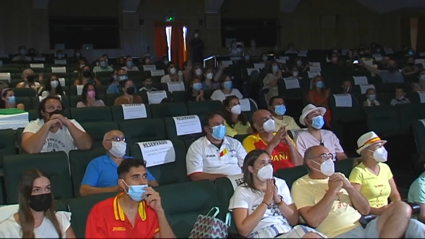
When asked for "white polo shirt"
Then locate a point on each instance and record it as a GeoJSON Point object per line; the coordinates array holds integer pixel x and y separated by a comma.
{"type": "Point", "coordinates": [202, 156]}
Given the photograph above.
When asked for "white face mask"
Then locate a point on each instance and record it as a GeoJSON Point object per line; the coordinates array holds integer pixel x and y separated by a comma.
{"type": "Point", "coordinates": [327, 167]}
{"type": "Point", "coordinates": [265, 173]}
{"type": "Point", "coordinates": [236, 110]}
{"type": "Point", "coordinates": [295, 74]}
{"type": "Point", "coordinates": [118, 148]}
{"type": "Point", "coordinates": [265, 58]}
{"type": "Point", "coordinates": [209, 76]}
{"type": "Point", "coordinates": [173, 71]}
{"type": "Point", "coordinates": [380, 154]}
{"type": "Point", "coordinates": [269, 126]}
{"type": "Point", "coordinates": [275, 68]}
{"type": "Point", "coordinates": [198, 72]}
{"type": "Point", "coordinates": [54, 84]}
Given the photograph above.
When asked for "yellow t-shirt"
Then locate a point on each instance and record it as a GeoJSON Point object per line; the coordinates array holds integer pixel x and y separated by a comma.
{"type": "Point", "coordinates": [238, 128]}
{"type": "Point", "coordinates": [342, 217]}
{"type": "Point", "coordinates": [288, 121]}
{"type": "Point", "coordinates": [375, 188]}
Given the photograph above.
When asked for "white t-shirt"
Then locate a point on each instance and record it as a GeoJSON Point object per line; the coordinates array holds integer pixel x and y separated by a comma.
{"type": "Point", "coordinates": [11, 229]}
{"type": "Point", "coordinates": [134, 68]}
{"type": "Point", "coordinates": [167, 79]}
{"type": "Point", "coordinates": [219, 95]}
{"type": "Point", "coordinates": [59, 141]}
{"type": "Point", "coordinates": [245, 197]}
{"type": "Point", "coordinates": [305, 140]}
{"type": "Point", "coordinates": [202, 156]}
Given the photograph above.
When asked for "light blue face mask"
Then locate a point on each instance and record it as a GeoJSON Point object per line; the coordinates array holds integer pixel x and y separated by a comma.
{"type": "Point", "coordinates": [104, 64]}
{"type": "Point", "coordinates": [11, 100]}
{"type": "Point", "coordinates": [218, 132]}
{"type": "Point", "coordinates": [227, 85]}
{"type": "Point", "coordinates": [280, 109]}
{"type": "Point", "coordinates": [197, 86]}
{"type": "Point", "coordinates": [136, 191]}
{"type": "Point", "coordinates": [371, 97]}
{"type": "Point", "coordinates": [123, 77]}
{"type": "Point", "coordinates": [319, 84]}
{"type": "Point", "coordinates": [317, 122]}
{"type": "Point", "coordinates": [129, 64]}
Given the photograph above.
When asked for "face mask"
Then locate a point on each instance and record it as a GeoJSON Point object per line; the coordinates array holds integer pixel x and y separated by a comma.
{"type": "Point", "coordinates": [371, 97]}
{"type": "Point", "coordinates": [334, 59]}
{"type": "Point", "coordinates": [295, 74]}
{"type": "Point", "coordinates": [317, 122]}
{"type": "Point", "coordinates": [391, 69]}
{"type": "Point", "coordinates": [265, 58]}
{"type": "Point", "coordinates": [91, 94]}
{"type": "Point", "coordinates": [218, 132]}
{"type": "Point", "coordinates": [227, 85]}
{"type": "Point", "coordinates": [196, 35]}
{"type": "Point", "coordinates": [56, 112]}
{"type": "Point", "coordinates": [280, 109]}
{"type": "Point", "coordinates": [23, 51]}
{"type": "Point", "coordinates": [380, 154]}
{"type": "Point", "coordinates": [265, 173]}
{"type": "Point", "coordinates": [236, 110]}
{"type": "Point", "coordinates": [173, 71]}
{"type": "Point", "coordinates": [54, 83]}
{"type": "Point", "coordinates": [82, 65]}
{"type": "Point", "coordinates": [198, 72]}
{"type": "Point", "coordinates": [118, 148]}
{"type": "Point", "coordinates": [123, 77]}
{"type": "Point", "coordinates": [77, 54]}
{"type": "Point", "coordinates": [129, 64]}
{"type": "Point", "coordinates": [319, 84]}
{"type": "Point", "coordinates": [346, 88]}
{"type": "Point", "coordinates": [269, 126]}
{"type": "Point", "coordinates": [115, 77]}
{"type": "Point", "coordinates": [11, 99]}
{"type": "Point", "coordinates": [275, 68]}
{"type": "Point", "coordinates": [197, 86]}
{"type": "Point", "coordinates": [60, 56]}
{"type": "Point", "coordinates": [136, 191]}
{"type": "Point", "coordinates": [166, 62]}
{"type": "Point", "coordinates": [246, 57]}
{"type": "Point", "coordinates": [86, 74]}
{"type": "Point", "coordinates": [130, 90]}
{"type": "Point", "coordinates": [327, 167]}
{"type": "Point", "coordinates": [41, 202]}
{"type": "Point", "coordinates": [209, 76]}
{"type": "Point", "coordinates": [30, 78]}
{"type": "Point", "coordinates": [104, 64]}
{"type": "Point", "coordinates": [299, 63]}
{"type": "Point", "coordinates": [422, 78]}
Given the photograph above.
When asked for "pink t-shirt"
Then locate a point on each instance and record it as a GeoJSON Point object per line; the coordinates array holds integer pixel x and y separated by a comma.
{"type": "Point", "coordinates": [305, 140]}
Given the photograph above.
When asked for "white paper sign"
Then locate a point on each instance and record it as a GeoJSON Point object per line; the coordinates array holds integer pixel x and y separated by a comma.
{"type": "Point", "coordinates": [314, 64]}
{"type": "Point", "coordinates": [368, 63]}
{"type": "Point", "coordinates": [422, 96]}
{"type": "Point", "coordinates": [39, 58]}
{"type": "Point", "coordinates": [419, 61]}
{"type": "Point", "coordinates": [315, 68]}
{"type": "Point", "coordinates": [422, 121]}
{"type": "Point", "coordinates": [303, 51]}
{"type": "Point", "coordinates": [250, 70]}
{"type": "Point", "coordinates": [291, 83]}
{"type": "Point", "coordinates": [364, 88]}
{"type": "Point", "coordinates": [259, 65]}
{"type": "Point", "coordinates": [343, 100]}
{"type": "Point", "coordinates": [60, 62]}
{"type": "Point", "coordinates": [62, 81]}
{"type": "Point", "coordinates": [37, 65]}
{"type": "Point", "coordinates": [302, 54]}
{"type": "Point", "coordinates": [236, 180]}
{"type": "Point", "coordinates": [227, 63]}
{"type": "Point", "coordinates": [157, 72]}
{"type": "Point", "coordinates": [149, 67]}
{"type": "Point", "coordinates": [360, 80]}
{"type": "Point", "coordinates": [313, 74]}
{"type": "Point", "coordinates": [378, 58]}
{"type": "Point", "coordinates": [58, 69]}
{"type": "Point", "coordinates": [157, 152]}
{"type": "Point", "coordinates": [189, 124]}
{"type": "Point", "coordinates": [5, 76]}
{"type": "Point", "coordinates": [245, 104]}
{"type": "Point", "coordinates": [282, 61]}
{"type": "Point", "coordinates": [175, 86]}
{"type": "Point", "coordinates": [80, 89]}
{"type": "Point", "coordinates": [14, 121]}
{"type": "Point", "coordinates": [134, 111]}
{"type": "Point", "coordinates": [155, 97]}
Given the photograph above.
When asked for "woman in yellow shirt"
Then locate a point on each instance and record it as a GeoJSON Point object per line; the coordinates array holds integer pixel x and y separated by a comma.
{"type": "Point", "coordinates": [235, 122]}
{"type": "Point", "coordinates": [372, 177]}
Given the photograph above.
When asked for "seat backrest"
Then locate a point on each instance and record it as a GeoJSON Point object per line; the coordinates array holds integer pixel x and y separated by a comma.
{"type": "Point", "coordinates": [26, 101]}
{"type": "Point", "coordinates": [202, 107]}
{"type": "Point", "coordinates": [290, 175]}
{"type": "Point", "coordinates": [408, 113]}
{"type": "Point", "coordinates": [92, 114]}
{"type": "Point", "coordinates": [7, 144]}
{"type": "Point", "coordinates": [419, 135]}
{"type": "Point", "coordinates": [2, 193]}
{"type": "Point", "coordinates": [78, 161]}
{"type": "Point", "coordinates": [344, 166]}
{"type": "Point", "coordinates": [24, 92]}
{"type": "Point", "coordinates": [224, 192]}
{"type": "Point", "coordinates": [55, 164]}
{"type": "Point", "coordinates": [110, 98]}
{"type": "Point", "coordinates": [161, 111]}
{"type": "Point", "coordinates": [97, 130]}
{"type": "Point", "coordinates": [168, 173]}
{"type": "Point", "coordinates": [139, 130]}
{"type": "Point", "coordinates": [118, 114]}
{"type": "Point", "coordinates": [382, 119]}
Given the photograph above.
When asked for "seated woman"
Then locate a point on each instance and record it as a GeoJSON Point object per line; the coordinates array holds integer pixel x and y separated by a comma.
{"type": "Point", "coordinates": [36, 217]}
{"type": "Point", "coordinates": [128, 97]}
{"type": "Point", "coordinates": [226, 89]}
{"type": "Point", "coordinates": [235, 122]}
{"type": "Point", "coordinates": [89, 97]}
{"type": "Point", "coordinates": [84, 76]}
{"type": "Point", "coordinates": [52, 88]}
{"type": "Point", "coordinates": [417, 191]}
{"type": "Point", "coordinates": [195, 92]}
{"type": "Point", "coordinates": [419, 86]}
{"type": "Point", "coordinates": [274, 73]}
{"type": "Point", "coordinates": [8, 100]}
{"type": "Point", "coordinates": [211, 80]}
{"type": "Point", "coordinates": [319, 96]}
{"type": "Point", "coordinates": [262, 205]}
{"type": "Point", "coordinates": [371, 98]}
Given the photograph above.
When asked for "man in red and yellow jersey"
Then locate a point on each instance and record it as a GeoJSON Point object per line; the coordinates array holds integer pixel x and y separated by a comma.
{"type": "Point", "coordinates": [281, 148]}
{"type": "Point", "coordinates": [134, 213]}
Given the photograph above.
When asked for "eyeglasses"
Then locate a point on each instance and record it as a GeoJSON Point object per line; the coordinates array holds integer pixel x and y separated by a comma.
{"type": "Point", "coordinates": [117, 139]}
{"type": "Point", "coordinates": [324, 156]}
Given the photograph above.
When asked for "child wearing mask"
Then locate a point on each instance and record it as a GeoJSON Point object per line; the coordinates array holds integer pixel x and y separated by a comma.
{"type": "Point", "coordinates": [400, 96]}
{"type": "Point", "coordinates": [8, 100]}
{"type": "Point", "coordinates": [371, 98]}
{"type": "Point", "coordinates": [195, 92]}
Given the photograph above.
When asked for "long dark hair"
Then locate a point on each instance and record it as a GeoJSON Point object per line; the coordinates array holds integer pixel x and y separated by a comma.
{"type": "Point", "coordinates": [3, 94]}
{"type": "Point", "coordinates": [26, 219]}
{"type": "Point", "coordinates": [249, 161]}
{"type": "Point", "coordinates": [85, 90]}
{"type": "Point", "coordinates": [228, 115]}
{"type": "Point", "coordinates": [48, 87]}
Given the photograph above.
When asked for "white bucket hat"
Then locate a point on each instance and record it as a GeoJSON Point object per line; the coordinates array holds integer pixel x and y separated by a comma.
{"type": "Point", "coordinates": [367, 139]}
{"type": "Point", "coordinates": [308, 109]}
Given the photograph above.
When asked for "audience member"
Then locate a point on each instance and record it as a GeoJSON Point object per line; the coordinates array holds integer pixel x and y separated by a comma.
{"type": "Point", "coordinates": [102, 65]}
{"type": "Point", "coordinates": [85, 76]}
{"type": "Point", "coordinates": [211, 80]}
{"type": "Point", "coordinates": [172, 75]}
{"type": "Point", "coordinates": [346, 87]}
{"type": "Point", "coordinates": [253, 50]}
{"type": "Point", "coordinates": [390, 75]}
{"type": "Point", "coordinates": [417, 190]}
{"type": "Point", "coordinates": [278, 109]}
{"type": "Point", "coordinates": [195, 92]}
{"type": "Point", "coordinates": [197, 48]}
{"type": "Point", "coordinates": [89, 97]}
{"type": "Point", "coordinates": [410, 68]}
{"type": "Point", "coordinates": [274, 73]}
{"type": "Point", "coordinates": [226, 89]}
{"type": "Point", "coordinates": [371, 98]}
{"type": "Point", "coordinates": [319, 96]}
{"type": "Point", "coordinates": [235, 121]}
{"type": "Point", "coordinates": [114, 87]}
{"type": "Point", "coordinates": [420, 86]}
{"type": "Point", "coordinates": [129, 96]}
{"type": "Point", "coordinates": [29, 80]}
{"type": "Point", "coordinates": [22, 55]}
{"type": "Point", "coordinates": [400, 96]}
{"type": "Point", "coordinates": [129, 65]}
{"type": "Point", "coordinates": [8, 100]}
{"type": "Point", "coordinates": [52, 88]}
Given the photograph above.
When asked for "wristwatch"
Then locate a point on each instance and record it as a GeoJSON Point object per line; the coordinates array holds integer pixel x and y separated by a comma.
{"type": "Point", "coordinates": [281, 201]}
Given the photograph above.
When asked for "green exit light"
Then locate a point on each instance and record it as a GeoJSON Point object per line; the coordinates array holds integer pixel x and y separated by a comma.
{"type": "Point", "coordinates": [170, 19]}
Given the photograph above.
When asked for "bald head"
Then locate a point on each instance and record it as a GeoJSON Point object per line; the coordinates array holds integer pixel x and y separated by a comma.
{"type": "Point", "coordinates": [314, 151]}
{"type": "Point", "coordinates": [259, 117]}
{"type": "Point", "coordinates": [112, 134]}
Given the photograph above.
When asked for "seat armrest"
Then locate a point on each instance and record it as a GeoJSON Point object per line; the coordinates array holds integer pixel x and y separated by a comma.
{"type": "Point", "coordinates": [416, 208]}
{"type": "Point", "coordinates": [364, 220]}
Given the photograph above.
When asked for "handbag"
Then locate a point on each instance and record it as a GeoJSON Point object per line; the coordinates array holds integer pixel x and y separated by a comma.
{"type": "Point", "coordinates": [208, 226]}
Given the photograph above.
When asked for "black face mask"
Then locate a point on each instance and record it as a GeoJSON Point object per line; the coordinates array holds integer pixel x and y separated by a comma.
{"type": "Point", "coordinates": [41, 202]}
{"type": "Point", "coordinates": [86, 74]}
{"type": "Point", "coordinates": [130, 90]}
{"type": "Point", "coordinates": [56, 112]}
{"type": "Point", "coordinates": [30, 78]}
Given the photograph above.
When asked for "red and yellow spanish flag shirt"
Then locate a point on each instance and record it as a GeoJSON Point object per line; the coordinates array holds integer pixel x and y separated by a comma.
{"type": "Point", "coordinates": [280, 155]}
{"type": "Point", "coordinates": [108, 220]}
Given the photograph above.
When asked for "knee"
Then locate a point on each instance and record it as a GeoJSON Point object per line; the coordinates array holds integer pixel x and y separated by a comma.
{"type": "Point", "coordinates": [311, 235]}
{"type": "Point", "coordinates": [401, 208]}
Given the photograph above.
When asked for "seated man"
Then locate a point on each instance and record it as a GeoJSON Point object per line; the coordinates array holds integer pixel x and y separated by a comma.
{"type": "Point", "coordinates": [328, 202]}
{"type": "Point", "coordinates": [312, 117]}
{"type": "Point", "coordinates": [279, 145]}
{"type": "Point", "coordinates": [278, 109]}
{"type": "Point", "coordinates": [52, 131]}
{"type": "Point", "coordinates": [101, 173]}
{"type": "Point", "coordinates": [102, 65]}
{"type": "Point", "coordinates": [134, 212]}
{"type": "Point", "coordinates": [214, 155]}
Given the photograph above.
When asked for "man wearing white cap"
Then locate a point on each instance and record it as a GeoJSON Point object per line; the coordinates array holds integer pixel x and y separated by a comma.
{"type": "Point", "coordinates": [312, 117]}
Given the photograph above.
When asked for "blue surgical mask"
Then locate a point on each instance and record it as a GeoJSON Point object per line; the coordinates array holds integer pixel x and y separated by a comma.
{"type": "Point", "coordinates": [280, 109]}
{"type": "Point", "coordinates": [218, 132]}
{"type": "Point", "coordinates": [123, 77]}
{"type": "Point", "coordinates": [104, 64]}
{"type": "Point", "coordinates": [319, 84]}
{"type": "Point", "coordinates": [136, 191]}
{"type": "Point", "coordinates": [129, 64]}
{"type": "Point", "coordinates": [11, 100]}
{"type": "Point", "coordinates": [228, 85]}
{"type": "Point", "coordinates": [317, 122]}
{"type": "Point", "coordinates": [197, 86]}
{"type": "Point", "coordinates": [371, 97]}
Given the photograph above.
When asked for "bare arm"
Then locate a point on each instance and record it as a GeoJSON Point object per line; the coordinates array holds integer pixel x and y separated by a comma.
{"type": "Point", "coordinates": [70, 233]}
{"type": "Point", "coordinates": [205, 176]}
{"type": "Point", "coordinates": [86, 190]}
{"type": "Point", "coordinates": [219, 73]}
{"type": "Point", "coordinates": [359, 202]}
{"type": "Point", "coordinates": [33, 142]}
{"type": "Point", "coordinates": [81, 139]}
{"type": "Point", "coordinates": [316, 214]}
{"type": "Point", "coordinates": [395, 195]}
{"type": "Point", "coordinates": [165, 230]}
{"type": "Point", "coordinates": [290, 213]}
{"type": "Point", "coordinates": [294, 155]}
{"type": "Point", "coordinates": [372, 69]}
{"type": "Point", "coordinates": [153, 183]}
{"type": "Point", "coordinates": [246, 223]}
{"type": "Point", "coordinates": [341, 156]}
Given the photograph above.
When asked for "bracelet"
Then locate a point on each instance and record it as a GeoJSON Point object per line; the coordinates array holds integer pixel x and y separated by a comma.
{"type": "Point", "coordinates": [266, 204]}
{"type": "Point", "coordinates": [281, 202]}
